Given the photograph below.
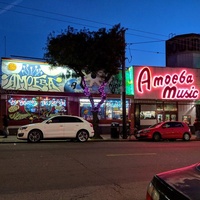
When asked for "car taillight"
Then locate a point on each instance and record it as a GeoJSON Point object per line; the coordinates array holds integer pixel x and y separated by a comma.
{"type": "Point", "coordinates": [152, 193]}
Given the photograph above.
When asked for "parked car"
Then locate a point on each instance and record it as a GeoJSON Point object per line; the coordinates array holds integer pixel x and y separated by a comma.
{"type": "Point", "coordinates": [57, 127]}
{"type": "Point", "coordinates": [165, 130]}
{"type": "Point", "coordinates": [178, 184]}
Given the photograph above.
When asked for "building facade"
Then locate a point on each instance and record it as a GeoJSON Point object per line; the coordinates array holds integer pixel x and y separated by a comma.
{"type": "Point", "coordinates": [183, 51]}
{"type": "Point", "coordinates": [165, 94]}
{"type": "Point", "coordinates": [32, 91]}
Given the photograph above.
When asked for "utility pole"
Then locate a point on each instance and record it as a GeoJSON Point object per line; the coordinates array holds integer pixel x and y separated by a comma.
{"type": "Point", "coordinates": [124, 91]}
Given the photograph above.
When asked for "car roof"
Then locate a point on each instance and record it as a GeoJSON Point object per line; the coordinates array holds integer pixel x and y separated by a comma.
{"type": "Point", "coordinates": [65, 116]}
{"type": "Point", "coordinates": [185, 180]}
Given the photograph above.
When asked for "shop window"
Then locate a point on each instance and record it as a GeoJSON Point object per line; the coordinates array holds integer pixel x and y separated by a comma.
{"type": "Point", "coordinates": [52, 106]}
{"type": "Point", "coordinates": [114, 108]}
{"type": "Point", "coordinates": [147, 115]}
{"type": "Point", "coordinates": [170, 107]}
{"type": "Point", "coordinates": [86, 109]}
{"type": "Point", "coordinates": [110, 109]}
{"type": "Point", "coordinates": [148, 111]}
{"type": "Point", "coordinates": [159, 118]}
{"type": "Point", "coordinates": [186, 119]}
{"type": "Point", "coordinates": [31, 108]}
{"type": "Point", "coordinates": [159, 107]}
{"type": "Point", "coordinates": [173, 117]}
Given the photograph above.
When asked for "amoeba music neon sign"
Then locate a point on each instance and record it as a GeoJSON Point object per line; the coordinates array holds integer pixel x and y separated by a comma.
{"type": "Point", "coordinates": [170, 86]}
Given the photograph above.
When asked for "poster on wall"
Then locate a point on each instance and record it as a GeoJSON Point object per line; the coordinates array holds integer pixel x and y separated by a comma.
{"type": "Point", "coordinates": [39, 76]}
{"type": "Point", "coordinates": [186, 119]}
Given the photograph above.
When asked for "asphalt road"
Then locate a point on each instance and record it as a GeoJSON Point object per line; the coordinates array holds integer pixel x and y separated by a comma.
{"type": "Point", "coordinates": [88, 171]}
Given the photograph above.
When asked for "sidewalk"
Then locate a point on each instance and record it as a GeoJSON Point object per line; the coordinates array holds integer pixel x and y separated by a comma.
{"type": "Point", "coordinates": [107, 137]}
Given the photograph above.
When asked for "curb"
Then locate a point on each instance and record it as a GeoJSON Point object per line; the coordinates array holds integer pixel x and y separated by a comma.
{"type": "Point", "coordinates": [105, 138]}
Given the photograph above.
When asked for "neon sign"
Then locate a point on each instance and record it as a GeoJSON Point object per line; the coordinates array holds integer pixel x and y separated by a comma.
{"type": "Point", "coordinates": [173, 86]}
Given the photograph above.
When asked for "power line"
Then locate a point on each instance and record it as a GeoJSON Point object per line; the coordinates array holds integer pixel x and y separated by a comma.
{"type": "Point", "coordinates": [154, 52]}
{"type": "Point", "coordinates": [72, 17]}
{"type": "Point", "coordinates": [86, 25]}
{"type": "Point", "coordinates": [48, 18]}
{"type": "Point", "coordinates": [146, 42]}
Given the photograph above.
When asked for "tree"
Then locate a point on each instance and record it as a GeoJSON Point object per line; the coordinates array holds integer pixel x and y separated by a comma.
{"type": "Point", "coordinates": [87, 52]}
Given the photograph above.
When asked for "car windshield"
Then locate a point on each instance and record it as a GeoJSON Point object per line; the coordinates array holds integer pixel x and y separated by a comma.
{"type": "Point", "coordinates": [46, 119]}
{"type": "Point", "coordinates": [155, 125]}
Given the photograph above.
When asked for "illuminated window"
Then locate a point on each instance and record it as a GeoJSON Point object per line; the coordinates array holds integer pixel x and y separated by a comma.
{"type": "Point", "coordinates": [111, 109]}
{"type": "Point", "coordinates": [147, 115]}
{"type": "Point", "coordinates": [148, 111]}
{"type": "Point", "coordinates": [170, 106]}
{"type": "Point", "coordinates": [86, 109]}
{"type": "Point", "coordinates": [20, 108]}
{"type": "Point", "coordinates": [114, 108]}
{"type": "Point", "coordinates": [159, 106]}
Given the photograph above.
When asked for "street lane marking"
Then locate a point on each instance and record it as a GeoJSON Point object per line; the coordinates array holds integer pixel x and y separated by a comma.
{"type": "Point", "coordinates": [132, 154]}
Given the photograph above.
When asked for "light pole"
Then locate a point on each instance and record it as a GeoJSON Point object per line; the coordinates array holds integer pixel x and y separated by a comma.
{"type": "Point", "coordinates": [124, 90]}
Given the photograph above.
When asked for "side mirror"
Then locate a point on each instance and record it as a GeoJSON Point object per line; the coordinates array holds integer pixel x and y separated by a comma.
{"type": "Point", "coordinates": [49, 121]}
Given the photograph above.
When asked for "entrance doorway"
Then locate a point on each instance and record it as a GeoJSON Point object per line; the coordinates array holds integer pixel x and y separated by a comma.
{"type": "Point", "coordinates": [167, 116]}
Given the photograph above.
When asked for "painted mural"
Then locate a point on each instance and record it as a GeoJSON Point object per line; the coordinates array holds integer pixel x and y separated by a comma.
{"type": "Point", "coordinates": [38, 76]}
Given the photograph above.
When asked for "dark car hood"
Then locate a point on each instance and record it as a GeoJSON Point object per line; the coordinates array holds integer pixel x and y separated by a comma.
{"type": "Point", "coordinates": [186, 180]}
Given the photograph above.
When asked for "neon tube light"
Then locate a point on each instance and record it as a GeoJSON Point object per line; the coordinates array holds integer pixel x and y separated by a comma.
{"type": "Point", "coordinates": [173, 86]}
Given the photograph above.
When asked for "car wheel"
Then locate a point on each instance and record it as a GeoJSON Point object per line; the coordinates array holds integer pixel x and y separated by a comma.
{"type": "Point", "coordinates": [82, 136]}
{"type": "Point", "coordinates": [186, 137]}
{"type": "Point", "coordinates": [156, 137]}
{"type": "Point", "coordinates": [34, 136]}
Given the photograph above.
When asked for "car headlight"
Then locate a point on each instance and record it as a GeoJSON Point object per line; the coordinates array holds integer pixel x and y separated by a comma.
{"type": "Point", "coordinates": [152, 193]}
{"type": "Point", "coordinates": [23, 128]}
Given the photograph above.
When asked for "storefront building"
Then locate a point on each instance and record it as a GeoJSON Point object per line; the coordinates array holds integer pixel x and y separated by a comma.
{"type": "Point", "coordinates": [165, 94]}
{"type": "Point", "coordinates": [32, 91]}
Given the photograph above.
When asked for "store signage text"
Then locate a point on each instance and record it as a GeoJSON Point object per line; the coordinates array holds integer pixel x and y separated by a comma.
{"type": "Point", "coordinates": [17, 82]}
{"type": "Point", "coordinates": [174, 86]}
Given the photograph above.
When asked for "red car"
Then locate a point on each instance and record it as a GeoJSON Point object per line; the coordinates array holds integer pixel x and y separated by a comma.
{"type": "Point", "coordinates": [165, 130]}
{"type": "Point", "coordinates": [178, 184]}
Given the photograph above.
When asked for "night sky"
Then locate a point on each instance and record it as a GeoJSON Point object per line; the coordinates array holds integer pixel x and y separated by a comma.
{"type": "Point", "coordinates": [25, 24]}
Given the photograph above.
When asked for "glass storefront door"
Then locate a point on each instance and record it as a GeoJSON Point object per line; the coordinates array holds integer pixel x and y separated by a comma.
{"type": "Point", "coordinates": [170, 116]}
{"type": "Point", "coordinates": [166, 116]}
{"type": "Point", "coordinates": [167, 111]}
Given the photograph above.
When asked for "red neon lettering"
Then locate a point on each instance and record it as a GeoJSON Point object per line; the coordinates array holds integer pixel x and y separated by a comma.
{"type": "Point", "coordinates": [190, 79]}
{"type": "Point", "coordinates": [186, 79]}
{"type": "Point", "coordinates": [168, 83]}
{"type": "Point", "coordinates": [167, 79]}
{"type": "Point", "coordinates": [169, 92]}
{"type": "Point", "coordinates": [175, 93]}
{"type": "Point", "coordinates": [159, 81]}
{"type": "Point", "coordinates": [143, 80]}
{"type": "Point", "coordinates": [174, 79]}
{"type": "Point", "coordinates": [182, 77]}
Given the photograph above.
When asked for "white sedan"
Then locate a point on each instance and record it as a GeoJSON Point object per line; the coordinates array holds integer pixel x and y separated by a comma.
{"type": "Point", "coordinates": [57, 127]}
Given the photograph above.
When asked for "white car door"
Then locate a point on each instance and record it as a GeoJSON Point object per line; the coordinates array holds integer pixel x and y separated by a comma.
{"type": "Point", "coordinates": [55, 128]}
{"type": "Point", "coordinates": [71, 126]}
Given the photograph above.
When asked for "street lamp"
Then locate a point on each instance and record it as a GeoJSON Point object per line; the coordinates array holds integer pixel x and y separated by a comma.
{"type": "Point", "coordinates": [124, 90]}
